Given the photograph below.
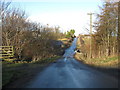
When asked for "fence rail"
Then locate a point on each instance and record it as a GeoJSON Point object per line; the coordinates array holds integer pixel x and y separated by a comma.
{"type": "Point", "coordinates": [6, 52]}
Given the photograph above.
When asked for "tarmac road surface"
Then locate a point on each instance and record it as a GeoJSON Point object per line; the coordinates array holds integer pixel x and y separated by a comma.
{"type": "Point", "coordinates": [69, 73]}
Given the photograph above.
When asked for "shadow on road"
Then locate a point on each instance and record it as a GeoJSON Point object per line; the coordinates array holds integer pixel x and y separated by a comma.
{"type": "Point", "coordinates": [115, 72]}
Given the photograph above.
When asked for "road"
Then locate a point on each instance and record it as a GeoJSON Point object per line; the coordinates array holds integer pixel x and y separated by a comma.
{"type": "Point", "coordinates": [69, 73]}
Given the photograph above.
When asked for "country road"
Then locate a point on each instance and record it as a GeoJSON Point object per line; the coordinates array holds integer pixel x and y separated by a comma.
{"type": "Point", "coordinates": [69, 73]}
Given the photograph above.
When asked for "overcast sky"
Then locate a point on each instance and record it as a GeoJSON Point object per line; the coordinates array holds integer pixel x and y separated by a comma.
{"type": "Point", "coordinates": [68, 14]}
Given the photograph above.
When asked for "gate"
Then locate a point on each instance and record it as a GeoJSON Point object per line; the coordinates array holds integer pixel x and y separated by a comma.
{"type": "Point", "coordinates": [6, 52]}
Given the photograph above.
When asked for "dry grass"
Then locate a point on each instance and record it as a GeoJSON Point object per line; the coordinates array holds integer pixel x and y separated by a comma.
{"type": "Point", "coordinates": [63, 39]}
{"type": "Point", "coordinates": [101, 62]}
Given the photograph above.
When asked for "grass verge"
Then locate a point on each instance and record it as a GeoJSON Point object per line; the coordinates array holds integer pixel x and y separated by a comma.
{"type": "Point", "coordinates": [22, 71]}
{"type": "Point", "coordinates": [108, 65]}
{"type": "Point", "coordinates": [111, 61]}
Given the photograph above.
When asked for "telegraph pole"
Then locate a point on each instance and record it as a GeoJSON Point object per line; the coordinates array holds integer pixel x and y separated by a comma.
{"type": "Point", "coordinates": [90, 33]}
{"type": "Point", "coordinates": [118, 30]}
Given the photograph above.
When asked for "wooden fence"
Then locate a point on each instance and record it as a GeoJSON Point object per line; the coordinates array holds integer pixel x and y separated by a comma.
{"type": "Point", "coordinates": [6, 52]}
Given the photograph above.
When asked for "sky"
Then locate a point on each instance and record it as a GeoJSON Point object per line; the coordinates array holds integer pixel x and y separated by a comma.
{"type": "Point", "coordinates": [68, 14]}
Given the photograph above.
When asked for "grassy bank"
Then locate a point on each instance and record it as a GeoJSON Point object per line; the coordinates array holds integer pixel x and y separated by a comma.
{"type": "Point", "coordinates": [111, 61]}
{"type": "Point", "coordinates": [12, 72]}
{"type": "Point", "coordinates": [108, 65]}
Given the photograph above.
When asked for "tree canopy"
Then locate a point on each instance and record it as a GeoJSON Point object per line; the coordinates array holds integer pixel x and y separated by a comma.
{"type": "Point", "coordinates": [70, 34]}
